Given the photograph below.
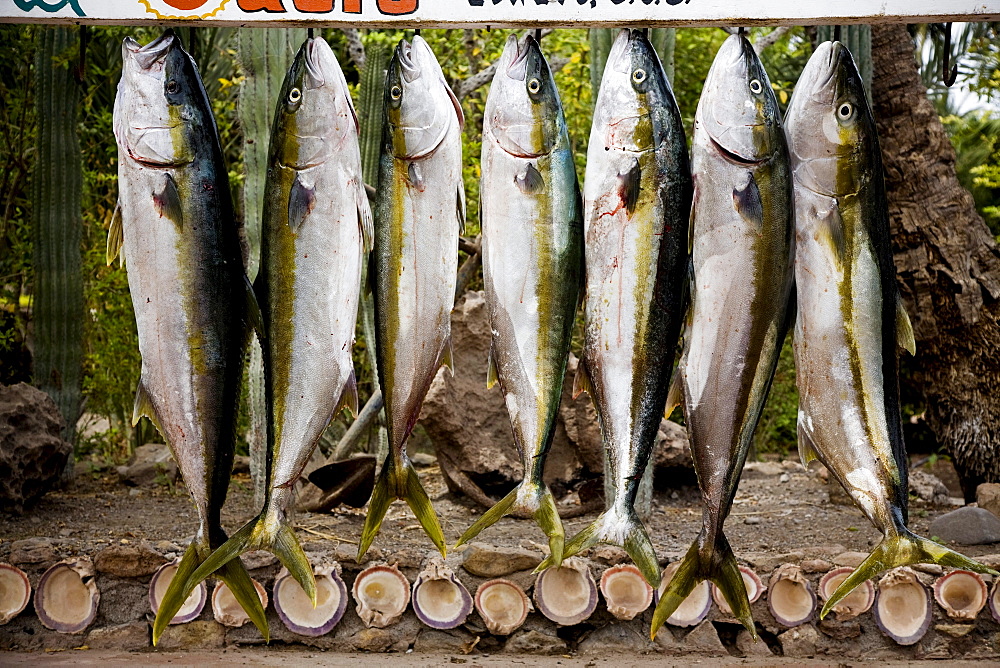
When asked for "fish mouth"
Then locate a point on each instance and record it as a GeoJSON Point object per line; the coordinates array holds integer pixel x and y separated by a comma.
{"type": "Point", "coordinates": [736, 158]}
{"type": "Point", "coordinates": [408, 68]}
{"type": "Point", "coordinates": [149, 55]}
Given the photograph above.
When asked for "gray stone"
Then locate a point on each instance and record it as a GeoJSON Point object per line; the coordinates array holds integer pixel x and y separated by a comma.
{"type": "Point", "coordinates": [967, 526]}
{"type": "Point", "coordinates": [988, 497]}
{"type": "Point", "coordinates": [840, 629]}
{"type": "Point", "coordinates": [431, 641]}
{"type": "Point", "coordinates": [751, 520]}
{"type": "Point", "coordinates": [199, 634]}
{"type": "Point", "coordinates": [704, 639]}
{"type": "Point", "coordinates": [764, 468]}
{"type": "Point", "coordinates": [241, 464]}
{"type": "Point", "coordinates": [535, 642]}
{"type": "Point", "coordinates": [34, 552]}
{"type": "Point", "coordinates": [838, 495]}
{"type": "Point", "coordinates": [423, 459]}
{"type": "Point", "coordinates": [152, 464]}
{"type": "Point", "coordinates": [671, 448]}
{"type": "Point", "coordinates": [849, 559]}
{"type": "Point", "coordinates": [123, 600]}
{"type": "Point", "coordinates": [609, 555]}
{"type": "Point", "coordinates": [932, 646]}
{"type": "Point", "coordinates": [33, 454]}
{"type": "Point", "coordinates": [928, 488]}
{"type": "Point", "coordinates": [815, 565]}
{"type": "Point", "coordinates": [124, 637]}
{"type": "Point", "coordinates": [373, 640]}
{"type": "Point", "coordinates": [494, 562]}
{"type": "Point", "coordinates": [954, 630]}
{"type": "Point", "coordinates": [617, 637]}
{"type": "Point", "coordinates": [800, 642]}
{"type": "Point", "coordinates": [128, 561]}
{"type": "Point", "coordinates": [746, 645]}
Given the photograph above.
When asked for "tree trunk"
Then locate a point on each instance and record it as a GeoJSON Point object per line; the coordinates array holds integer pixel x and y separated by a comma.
{"type": "Point", "coordinates": [948, 266]}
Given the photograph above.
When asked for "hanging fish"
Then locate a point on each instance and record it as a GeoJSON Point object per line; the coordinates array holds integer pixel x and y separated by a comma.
{"type": "Point", "coordinates": [419, 214]}
{"type": "Point", "coordinates": [741, 253]}
{"type": "Point", "coordinates": [316, 223]}
{"type": "Point", "coordinates": [193, 303]}
{"type": "Point", "coordinates": [637, 201]}
{"type": "Point", "coordinates": [850, 319]}
{"type": "Point", "coordinates": [532, 267]}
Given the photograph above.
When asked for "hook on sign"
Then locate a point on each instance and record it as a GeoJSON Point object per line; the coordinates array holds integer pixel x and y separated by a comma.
{"type": "Point", "coordinates": [538, 35]}
{"type": "Point", "coordinates": [948, 74]}
{"type": "Point", "coordinates": [741, 31]}
{"type": "Point", "coordinates": [837, 30]}
{"type": "Point", "coordinates": [311, 33]}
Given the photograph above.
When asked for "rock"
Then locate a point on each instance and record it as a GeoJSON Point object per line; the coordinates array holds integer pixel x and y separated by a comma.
{"type": "Point", "coordinates": [33, 551]}
{"type": "Point", "coordinates": [494, 562]}
{"type": "Point", "coordinates": [837, 493]}
{"type": "Point", "coordinates": [423, 459]}
{"type": "Point", "coordinates": [671, 449]}
{"type": "Point", "coordinates": [124, 637]}
{"type": "Point", "coordinates": [128, 561]}
{"type": "Point", "coordinates": [928, 488]}
{"type": "Point", "coordinates": [373, 640]}
{"type": "Point", "coordinates": [255, 559]}
{"type": "Point", "coordinates": [954, 630]}
{"type": "Point", "coordinates": [783, 477]}
{"type": "Point", "coordinates": [800, 642]}
{"type": "Point", "coordinates": [152, 464]}
{"type": "Point", "coordinates": [764, 468]}
{"type": "Point", "coordinates": [33, 454]}
{"type": "Point", "coordinates": [746, 645]}
{"type": "Point", "coordinates": [704, 639]}
{"type": "Point", "coordinates": [199, 634]}
{"type": "Point", "coordinates": [815, 565]}
{"type": "Point", "coordinates": [751, 520]}
{"type": "Point", "coordinates": [609, 555]}
{"type": "Point", "coordinates": [967, 526]}
{"type": "Point", "coordinates": [241, 464]}
{"type": "Point", "coordinates": [579, 419]}
{"type": "Point", "coordinates": [849, 559]}
{"type": "Point", "coordinates": [535, 642]}
{"type": "Point", "coordinates": [932, 646]}
{"type": "Point", "coordinates": [988, 497]}
{"type": "Point", "coordinates": [840, 630]}
{"type": "Point", "coordinates": [455, 641]}
{"type": "Point", "coordinates": [616, 637]}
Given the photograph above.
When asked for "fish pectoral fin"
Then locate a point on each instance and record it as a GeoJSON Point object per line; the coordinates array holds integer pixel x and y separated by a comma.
{"type": "Point", "coordinates": [365, 222]}
{"type": "Point", "coordinates": [581, 381]}
{"type": "Point", "coordinates": [460, 208]}
{"type": "Point", "coordinates": [115, 236]}
{"type": "Point", "coordinates": [904, 329]}
{"type": "Point", "coordinates": [415, 176]}
{"type": "Point", "coordinates": [675, 395]}
{"type": "Point", "coordinates": [143, 406]}
{"type": "Point", "coordinates": [832, 229]}
{"type": "Point", "coordinates": [529, 180]}
{"type": "Point", "coordinates": [349, 396]}
{"type": "Point", "coordinates": [447, 356]}
{"type": "Point", "coordinates": [748, 204]}
{"type": "Point", "coordinates": [492, 374]}
{"type": "Point", "coordinates": [807, 448]}
{"type": "Point", "coordinates": [301, 201]}
{"type": "Point", "coordinates": [628, 185]}
{"type": "Point", "coordinates": [255, 321]}
{"type": "Point", "coordinates": [168, 202]}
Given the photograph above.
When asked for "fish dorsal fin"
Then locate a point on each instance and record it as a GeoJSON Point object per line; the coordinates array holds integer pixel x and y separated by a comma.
{"type": "Point", "coordinates": [144, 407]}
{"type": "Point", "coordinates": [115, 236]}
{"type": "Point", "coordinates": [747, 202]}
{"type": "Point", "coordinates": [460, 208]}
{"type": "Point", "coordinates": [349, 397]}
{"type": "Point", "coordinates": [492, 374]}
{"type": "Point", "coordinates": [675, 395]}
{"type": "Point", "coordinates": [301, 200]}
{"type": "Point", "coordinates": [529, 180]}
{"type": "Point", "coordinates": [581, 381]}
{"type": "Point", "coordinates": [168, 202]}
{"type": "Point", "coordinates": [807, 448]}
{"type": "Point", "coordinates": [365, 222]}
{"type": "Point", "coordinates": [904, 329]}
{"type": "Point", "coordinates": [255, 320]}
{"type": "Point", "coordinates": [628, 185]}
{"type": "Point", "coordinates": [447, 356]}
{"type": "Point", "coordinates": [415, 175]}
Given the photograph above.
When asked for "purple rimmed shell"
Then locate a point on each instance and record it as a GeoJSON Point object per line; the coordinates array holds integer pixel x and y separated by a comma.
{"type": "Point", "coordinates": [790, 596]}
{"type": "Point", "coordinates": [693, 609]}
{"type": "Point", "coordinates": [382, 594]}
{"type": "Point", "coordinates": [15, 592]}
{"type": "Point", "coordinates": [503, 605]}
{"type": "Point", "coordinates": [625, 591]}
{"type": "Point", "coordinates": [755, 589]}
{"type": "Point", "coordinates": [994, 601]}
{"type": "Point", "coordinates": [227, 610]}
{"type": "Point", "coordinates": [440, 600]}
{"type": "Point", "coordinates": [857, 602]}
{"type": "Point", "coordinates": [191, 607]}
{"type": "Point", "coordinates": [67, 597]}
{"type": "Point", "coordinates": [295, 609]}
{"type": "Point", "coordinates": [962, 594]}
{"type": "Point", "coordinates": [903, 609]}
{"type": "Point", "coordinates": [567, 594]}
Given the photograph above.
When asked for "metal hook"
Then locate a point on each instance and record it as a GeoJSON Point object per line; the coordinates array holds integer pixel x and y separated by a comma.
{"type": "Point", "coordinates": [948, 75]}
{"type": "Point", "coordinates": [741, 31]}
{"type": "Point", "coordinates": [538, 35]}
{"type": "Point", "coordinates": [837, 32]}
{"type": "Point", "coordinates": [645, 32]}
{"type": "Point", "coordinates": [311, 33]}
{"type": "Point", "coordinates": [416, 31]}
{"type": "Point", "coordinates": [81, 68]}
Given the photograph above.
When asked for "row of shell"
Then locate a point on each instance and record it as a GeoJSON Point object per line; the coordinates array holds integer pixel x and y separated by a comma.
{"type": "Point", "coordinates": [66, 598]}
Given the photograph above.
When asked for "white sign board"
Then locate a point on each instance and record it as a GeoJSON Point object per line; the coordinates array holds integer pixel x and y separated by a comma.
{"type": "Point", "coordinates": [499, 13]}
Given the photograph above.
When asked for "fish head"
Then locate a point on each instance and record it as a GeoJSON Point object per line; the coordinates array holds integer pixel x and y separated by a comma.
{"type": "Point", "coordinates": [158, 107]}
{"type": "Point", "coordinates": [831, 129]}
{"type": "Point", "coordinates": [633, 88]}
{"type": "Point", "coordinates": [420, 108]}
{"type": "Point", "coordinates": [523, 109]}
{"type": "Point", "coordinates": [315, 115]}
{"type": "Point", "coordinates": [738, 109]}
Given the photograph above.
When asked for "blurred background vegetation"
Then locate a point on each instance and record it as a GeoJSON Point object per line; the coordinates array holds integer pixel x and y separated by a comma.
{"type": "Point", "coordinates": [970, 111]}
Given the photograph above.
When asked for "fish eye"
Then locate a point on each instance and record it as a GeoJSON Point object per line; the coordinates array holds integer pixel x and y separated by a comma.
{"type": "Point", "coordinates": [755, 86]}
{"type": "Point", "coordinates": [294, 95]}
{"type": "Point", "coordinates": [639, 76]}
{"type": "Point", "coordinates": [845, 111]}
{"type": "Point", "coordinates": [172, 87]}
{"type": "Point", "coordinates": [534, 86]}
{"type": "Point", "coordinates": [395, 92]}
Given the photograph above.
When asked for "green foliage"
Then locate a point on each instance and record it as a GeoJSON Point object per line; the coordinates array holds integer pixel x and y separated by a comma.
{"type": "Point", "coordinates": [776, 431]}
{"type": "Point", "coordinates": [976, 137]}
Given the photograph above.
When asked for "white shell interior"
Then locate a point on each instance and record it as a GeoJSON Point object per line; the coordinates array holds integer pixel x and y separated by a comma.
{"type": "Point", "coordinates": [853, 604]}
{"type": "Point", "coordinates": [902, 607]}
{"type": "Point", "coordinates": [67, 599]}
{"type": "Point", "coordinates": [566, 591]}
{"type": "Point", "coordinates": [790, 600]}
{"type": "Point", "coordinates": [439, 599]}
{"type": "Point", "coordinates": [160, 589]}
{"type": "Point", "coordinates": [962, 593]}
{"type": "Point", "coordinates": [298, 608]}
{"type": "Point", "coordinates": [626, 590]}
{"type": "Point", "coordinates": [693, 606]}
{"type": "Point", "coordinates": [383, 591]}
{"type": "Point", "coordinates": [14, 594]}
{"type": "Point", "coordinates": [502, 605]}
{"type": "Point", "coordinates": [227, 609]}
{"type": "Point", "coordinates": [753, 593]}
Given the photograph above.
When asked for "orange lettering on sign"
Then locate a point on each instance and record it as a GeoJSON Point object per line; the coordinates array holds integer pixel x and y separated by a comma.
{"type": "Point", "coordinates": [185, 5]}
{"type": "Point", "coordinates": [397, 7]}
{"type": "Point", "coordinates": [261, 5]}
{"type": "Point", "coordinates": [352, 6]}
{"type": "Point", "coordinates": [314, 6]}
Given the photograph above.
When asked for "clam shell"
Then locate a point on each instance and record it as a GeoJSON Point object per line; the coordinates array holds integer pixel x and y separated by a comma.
{"type": "Point", "coordinates": [227, 609]}
{"type": "Point", "coordinates": [625, 591]}
{"type": "Point", "coordinates": [15, 592]}
{"type": "Point", "coordinates": [903, 608]}
{"type": "Point", "coordinates": [440, 600]}
{"type": "Point", "coordinates": [382, 594]}
{"type": "Point", "coordinates": [566, 594]}
{"type": "Point", "coordinates": [790, 596]}
{"type": "Point", "coordinates": [962, 594]}
{"type": "Point", "coordinates": [503, 605]}
{"type": "Point", "coordinates": [857, 602]}
{"type": "Point", "coordinates": [67, 597]}
{"type": "Point", "coordinates": [191, 607]}
{"type": "Point", "coordinates": [694, 609]}
{"type": "Point", "coordinates": [296, 610]}
{"type": "Point", "coordinates": [755, 589]}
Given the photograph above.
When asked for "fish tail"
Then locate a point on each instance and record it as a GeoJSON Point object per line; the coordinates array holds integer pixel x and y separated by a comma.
{"type": "Point", "coordinates": [399, 480]}
{"type": "Point", "coordinates": [902, 548]}
{"type": "Point", "coordinates": [623, 529]}
{"type": "Point", "coordinates": [233, 574]}
{"type": "Point", "coordinates": [715, 562]}
{"type": "Point", "coordinates": [529, 497]}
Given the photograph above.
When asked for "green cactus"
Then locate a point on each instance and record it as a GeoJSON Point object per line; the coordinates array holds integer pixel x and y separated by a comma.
{"type": "Point", "coordinates": [57, 208]}
{"type": "Point", "coordinates": [601, 40]}
{"type": "Point", "coordinates": [663, 40]}
{"type": "Point", "coordinates": [858, 39]}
